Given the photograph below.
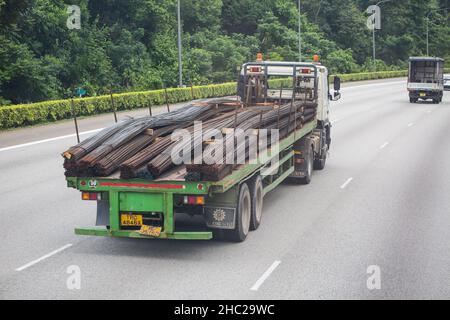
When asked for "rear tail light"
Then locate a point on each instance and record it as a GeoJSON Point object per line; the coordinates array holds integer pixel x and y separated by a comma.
{"type": "Point", "coordinates": [306, 71]}
{"type": "Point", "coordinates": [194, 200]}
{"type": "Point", "coordinates": [255, 69]}
{"type": "Point", "coordinates": [91, 196]}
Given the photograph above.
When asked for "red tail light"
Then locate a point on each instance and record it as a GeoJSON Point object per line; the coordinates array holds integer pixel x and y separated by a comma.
{"type": "Point", "coordinates": [194, 200]}
{"type": "Point", "coordinates": [90, 196]}
{"type": "Point", "coordinates": [255, 69]}
{"type": "Point", "coordinates": [306, 71]}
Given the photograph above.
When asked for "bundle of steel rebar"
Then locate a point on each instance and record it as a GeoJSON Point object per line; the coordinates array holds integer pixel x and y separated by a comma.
{"type": "Point", "coordinates": [163, 162]}
{"type": "Point", "coordinates": [104, 152]}
{"type": "Point", "coordinates": [134, 167]}
{"type": "Point", "coordinates": [143, 148]}
{"type": "Point", "coordinates": [286, 119]}
{"type": "Point", "coordinates": [113, 160]}
{"type": "Point", "coordinates": [80, 150]}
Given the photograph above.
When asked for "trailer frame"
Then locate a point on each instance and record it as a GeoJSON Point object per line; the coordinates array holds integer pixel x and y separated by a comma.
{"type": "Point", "coordinates": [149, 195]}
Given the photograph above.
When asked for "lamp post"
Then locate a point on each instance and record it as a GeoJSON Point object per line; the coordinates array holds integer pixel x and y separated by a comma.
{"type": "Point", "coordinates": [373, 38]}
{"type": "Point", "coordinates": [299, 31]}
{"type": "Point", "coordinates": [180, 49]}
{"type": "Point", "coordinates": [428, 27]}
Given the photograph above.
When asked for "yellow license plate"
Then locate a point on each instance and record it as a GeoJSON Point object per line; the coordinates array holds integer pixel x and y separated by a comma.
{"type": "Point", "coordinates": [150, 231]}
{"type": "Point", "coordinates": [131, 220]}
{"type": "Point", "coordinates": [423, 94]}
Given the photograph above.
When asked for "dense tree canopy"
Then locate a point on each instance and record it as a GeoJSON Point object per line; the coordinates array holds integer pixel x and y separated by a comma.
{"type": "Point", "coordinates": [132, 45]}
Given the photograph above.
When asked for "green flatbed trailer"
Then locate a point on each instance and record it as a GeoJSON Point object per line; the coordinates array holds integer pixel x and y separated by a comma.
{"type": "Point", "coordinates": [140, 196]}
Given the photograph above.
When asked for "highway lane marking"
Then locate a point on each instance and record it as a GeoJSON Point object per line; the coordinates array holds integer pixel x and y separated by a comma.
{"type": "Point", "coordinates": [410, 124]}
{"type": "Point", "coordinates": [32, 263]}
{"type": "Point", "coordinates": [346, 183]}
{"type": "Point", "coordinates": [18, 146]}
{"type": "Point", "coordinates": [266, 275]}
{"type": "Point", "coordinates": [384, 145]}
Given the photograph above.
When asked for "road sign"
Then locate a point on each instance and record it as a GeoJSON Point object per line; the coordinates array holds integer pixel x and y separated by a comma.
{"type": "Point", "coordinates": [80, 92]}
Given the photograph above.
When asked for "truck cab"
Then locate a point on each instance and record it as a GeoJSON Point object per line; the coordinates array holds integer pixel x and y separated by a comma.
{"type": "Point", "coordinates": [268, 82]}
{"type": "Point", "coordinates": [426, 79]}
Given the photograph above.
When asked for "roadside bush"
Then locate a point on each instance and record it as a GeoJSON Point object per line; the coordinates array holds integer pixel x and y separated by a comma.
{"type": "Point", "coordinates": [48, 111]}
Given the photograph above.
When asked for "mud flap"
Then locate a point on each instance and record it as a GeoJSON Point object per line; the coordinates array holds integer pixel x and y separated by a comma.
{"type": "Point", "coordinates": [220, 218]}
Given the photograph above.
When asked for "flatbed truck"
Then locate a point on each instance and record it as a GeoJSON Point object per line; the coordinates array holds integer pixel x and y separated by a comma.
{"type": "Point", "coordinates": [232, 207]}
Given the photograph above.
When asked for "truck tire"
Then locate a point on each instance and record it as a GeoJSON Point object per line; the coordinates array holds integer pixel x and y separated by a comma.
{"type": "Point", "coordinates": [257, 193]}
{"type": "Point", "coordinates": [243, 216]}
{"type": "Point", "coordinates": [413, 100]}
{"type": "Point", "coordinates": [309, 168]}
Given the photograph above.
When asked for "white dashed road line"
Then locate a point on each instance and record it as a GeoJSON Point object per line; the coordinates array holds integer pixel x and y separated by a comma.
{"type": "Point", "coordinates": [346, 183]}
{"type": "Point", "coordinates": [265, 276]}
{"type": "Point", "coordinates": [384, 145]}
{"type": "Point", "coordinates": [32, 263]}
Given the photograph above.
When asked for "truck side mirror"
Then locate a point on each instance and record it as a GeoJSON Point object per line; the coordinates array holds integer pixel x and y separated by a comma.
{"type": "Point", "coordinates": [337, 83]}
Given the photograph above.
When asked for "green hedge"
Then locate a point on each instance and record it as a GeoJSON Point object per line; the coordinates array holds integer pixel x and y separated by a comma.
{"type": "Point", "coordinates": [41, 112]}
{"type": "Point", "coordinates": [372, 75]}
{"type": "Point", "coordinates": [48, 111]}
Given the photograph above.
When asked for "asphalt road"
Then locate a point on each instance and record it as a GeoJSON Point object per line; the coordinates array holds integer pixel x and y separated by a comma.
{"type": "Point", "coordinates": [383, 201]}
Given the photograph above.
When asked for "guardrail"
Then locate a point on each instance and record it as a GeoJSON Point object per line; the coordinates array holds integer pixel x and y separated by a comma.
{"type": "Point", "coordinates": [50, 111]}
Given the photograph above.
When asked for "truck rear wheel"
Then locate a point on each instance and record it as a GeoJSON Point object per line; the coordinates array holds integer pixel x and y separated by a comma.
{"type": "Point", "coordinates": [309, 167]}
{"type": "Point", "coordinates": [257, 193]}
{"type": "Point", "coordinates": [243, 216]}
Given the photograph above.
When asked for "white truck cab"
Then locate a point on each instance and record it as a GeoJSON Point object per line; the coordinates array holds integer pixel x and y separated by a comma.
{"type": "Point", "coordinates": [271, 82]}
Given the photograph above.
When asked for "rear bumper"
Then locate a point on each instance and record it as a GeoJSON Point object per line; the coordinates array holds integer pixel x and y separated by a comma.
{"type": "Point", "coordinates": [424, 94]}
{"type": "Point", "coordinates": [103, 232]}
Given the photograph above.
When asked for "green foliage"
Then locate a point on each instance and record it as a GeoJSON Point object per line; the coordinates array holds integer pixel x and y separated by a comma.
{"type": "Point", "coordinates": [341, 61]}
{"type": "Point", "coordinates": [132, 45]}
{"type": "Point", "coordinates": [41, 112]}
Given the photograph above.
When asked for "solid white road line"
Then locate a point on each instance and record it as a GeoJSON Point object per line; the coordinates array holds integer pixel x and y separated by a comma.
{"type": "Point", "coordinates": [384, 145]}
{"type": "Point", "coordinates": [410, 124]}
{"type": "Point", "coordinates": [265, 276]}
{"type": "Point", "coordinates": [47, 140]}
{"type": "Point", "coordinates": [32, 263]}
{"type": "Point", "coordinates": [346, 183]}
